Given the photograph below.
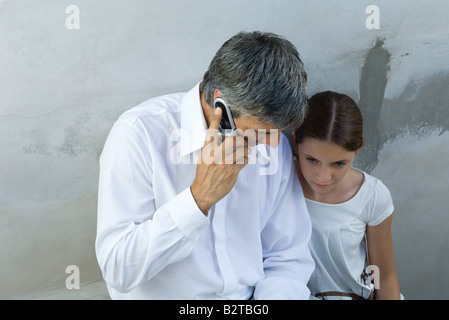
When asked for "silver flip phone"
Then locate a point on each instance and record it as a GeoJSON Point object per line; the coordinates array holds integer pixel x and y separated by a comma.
{"type": "Point", "coordinates": [227, 124]}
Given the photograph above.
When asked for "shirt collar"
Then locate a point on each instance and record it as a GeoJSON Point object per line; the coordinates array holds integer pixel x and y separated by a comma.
{"type": "Point", "coordinates": [193, 123]}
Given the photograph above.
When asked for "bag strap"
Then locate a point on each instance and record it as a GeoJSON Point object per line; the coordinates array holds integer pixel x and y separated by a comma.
{"type": "Point", "coordinates": [342, 294]}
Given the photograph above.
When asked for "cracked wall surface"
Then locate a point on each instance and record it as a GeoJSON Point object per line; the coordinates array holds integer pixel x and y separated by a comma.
{"type": "Point", "coordinates": [61, 90]}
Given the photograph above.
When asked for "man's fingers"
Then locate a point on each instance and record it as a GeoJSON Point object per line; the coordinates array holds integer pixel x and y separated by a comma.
{"type": "Point", "coordinates": [228, 146]}
{"type": "Point", "coordinates": [240, 155]}
{"type": "Point", "coordinates": [230, 143]}
{"type": "Point", "coordinates": [233, 150]}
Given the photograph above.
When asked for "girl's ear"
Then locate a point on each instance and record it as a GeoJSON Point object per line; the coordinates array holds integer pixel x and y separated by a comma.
{"type": "Point", "coordinates": [294, 144]}
{"type": "Point", "coordinates": [360, 149]}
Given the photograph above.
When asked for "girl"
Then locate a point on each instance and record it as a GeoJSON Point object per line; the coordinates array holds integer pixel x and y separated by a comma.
{"type": "Point", "coordinates": [351, 211]}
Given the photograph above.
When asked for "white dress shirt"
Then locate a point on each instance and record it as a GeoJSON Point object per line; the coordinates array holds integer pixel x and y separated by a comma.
{"type": "Point", "coordinates": [153, 242]}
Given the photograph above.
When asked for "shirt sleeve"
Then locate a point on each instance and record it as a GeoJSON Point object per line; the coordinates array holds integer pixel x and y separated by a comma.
{"type": "Point", "coordinates": [288, 263]}
{"type": "Point", "coordinates": [135, 240]}
{"type": "Point", "coordinates": [380, 206]}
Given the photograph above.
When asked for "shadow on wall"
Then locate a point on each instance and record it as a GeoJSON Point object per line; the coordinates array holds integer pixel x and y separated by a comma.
{"type": "Point", "coordinates": [421, 109]}
{"type": "Point", "coordinates": [373, 81]}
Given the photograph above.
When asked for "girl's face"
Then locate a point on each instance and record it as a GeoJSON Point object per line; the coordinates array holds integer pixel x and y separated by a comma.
{"type": "Point", "coordinates": [323, 164]}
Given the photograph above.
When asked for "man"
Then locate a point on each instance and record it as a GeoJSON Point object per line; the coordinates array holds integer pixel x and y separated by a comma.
{"type": "Point", "coordinates": [182, 215]}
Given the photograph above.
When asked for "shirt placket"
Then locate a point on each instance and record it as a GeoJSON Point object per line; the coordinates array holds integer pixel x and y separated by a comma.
{"type": "Point", "coordinates": [229, 276]}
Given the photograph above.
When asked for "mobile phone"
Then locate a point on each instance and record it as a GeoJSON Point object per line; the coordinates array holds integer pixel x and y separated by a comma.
{"type": "Point", "coordinates": [227, 125]}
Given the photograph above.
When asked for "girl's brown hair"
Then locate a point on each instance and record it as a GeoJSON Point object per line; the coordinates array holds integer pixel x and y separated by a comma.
{"type": "Point", "coordinates": [333, 117]}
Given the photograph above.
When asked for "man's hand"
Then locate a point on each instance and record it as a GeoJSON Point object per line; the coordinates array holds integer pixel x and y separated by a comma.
{"type": "Point", "coordinates": [219, 165]}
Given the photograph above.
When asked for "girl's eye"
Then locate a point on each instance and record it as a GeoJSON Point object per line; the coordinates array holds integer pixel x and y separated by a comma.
{"type": "Point", "coordinates": [340, 164]}
{"type": "Point", "coordinates": [311, 160]}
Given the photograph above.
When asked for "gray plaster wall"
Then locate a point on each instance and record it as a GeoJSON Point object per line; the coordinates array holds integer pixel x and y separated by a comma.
{"type": "Point", "coordinates": [61, 90]}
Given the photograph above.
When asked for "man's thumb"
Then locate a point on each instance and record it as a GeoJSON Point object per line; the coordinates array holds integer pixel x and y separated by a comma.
{"type": "Point", "coordinates": [212, 131]}
{"type": "Point", "coordinates": [215, 123]}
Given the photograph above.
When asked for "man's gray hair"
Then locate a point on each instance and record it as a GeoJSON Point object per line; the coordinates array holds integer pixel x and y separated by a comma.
{"type": "Point", "coordinates": [261, 75]}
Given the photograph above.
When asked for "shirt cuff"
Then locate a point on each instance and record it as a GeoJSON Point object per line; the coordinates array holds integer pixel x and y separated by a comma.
{"type": "Point", "coordinates": [186, 215]}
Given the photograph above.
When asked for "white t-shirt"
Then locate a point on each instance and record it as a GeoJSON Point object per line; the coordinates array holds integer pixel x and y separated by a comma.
{"type": "Point", "coordinates": [338, 238]}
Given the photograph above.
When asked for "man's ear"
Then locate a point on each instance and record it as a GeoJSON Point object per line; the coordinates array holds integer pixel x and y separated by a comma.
{"type": "Point", "coordinates": [217, 94]}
